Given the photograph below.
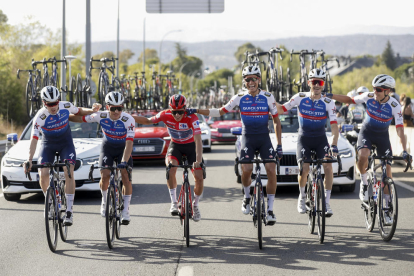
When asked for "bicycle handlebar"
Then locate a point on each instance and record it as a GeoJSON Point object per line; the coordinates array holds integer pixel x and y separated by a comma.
{"type": "Point", "coordinates": [264, 161]}
{"type": "Point", "coordinates": [111, 168]}
{"type": "Point", "coordinates": [170, 165]}
{"type": "Point", "coordinates": [409, 162]}
{"type": "Point", "coordinates": [47, 165]}
{"type": "Point", "coordinates": [316, 161]}
{"type": "Point", "coordinates": [29, 70]}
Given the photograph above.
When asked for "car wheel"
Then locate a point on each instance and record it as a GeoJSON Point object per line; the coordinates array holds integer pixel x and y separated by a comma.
{"type": "Point", "coordinates": [12, 197]}
{"type": "Point", "coordinates": [207, 149]}
{"type": "Point", "coordinates": [347, 188]}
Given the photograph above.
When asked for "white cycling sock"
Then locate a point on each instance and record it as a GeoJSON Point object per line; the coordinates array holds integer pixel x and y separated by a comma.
{"type": "Point", "coordinates": [302, 191]}
{"type": "Point", "coordinates": [104, 195]}
{"type": "Point", "coordinates": [69, 202]}
{"type": "Point", "coordinates": [387, 199]}
{"type": "Point", "coordinates": [270, 200]}
{"type": "Point", "coordinates": [364, 178]}
{"type": "Point", "coordinates": [127, 200]}
{"type": "Point", "coordinates": [327, 196]}
{"type": "Point", "coordinates": [246, 192]}
{"type": "Point", "coordinates": [173, 195]}
{"type": "Point", "coordinates": [196, 199]}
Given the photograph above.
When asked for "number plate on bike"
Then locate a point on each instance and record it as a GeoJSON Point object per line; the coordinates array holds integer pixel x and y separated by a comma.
{"type": "Point", "coordinates": [61, 176]}
{"type": "Point", "coordinates": [227, 135]}
{"type": "Point", "coordinates": [144, 149]}
{"type": "Point", "coordinates": [291, 170]}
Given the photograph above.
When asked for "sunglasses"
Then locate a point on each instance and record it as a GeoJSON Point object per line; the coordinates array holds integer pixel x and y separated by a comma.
{"type": "Point", "coordinates": [250, 79]}
{"type": "Point", "coordinates": [51, 104]}
{"type": "Point", "coordinates": [380, 89]}
{"type": "Point", "coordinates": [320, 82]}
{"type": "Point", "coordinates": [114, 108]}
{"type": "Point", "coordinates": [179, 112]}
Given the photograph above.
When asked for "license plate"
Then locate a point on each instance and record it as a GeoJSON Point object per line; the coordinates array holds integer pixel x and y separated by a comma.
{"type": "Point", "coordinates": [227, 134]}
{"type": "Point", "coordinates": [144, 149]}
{"type": "Point", "coordinates": [291, 170]}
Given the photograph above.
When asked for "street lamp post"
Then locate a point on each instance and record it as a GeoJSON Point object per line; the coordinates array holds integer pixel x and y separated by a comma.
{"type": "Point", "coordinates": [191, 81]}
{"type": "Point", "coordinates": [173, 31]}
{"type": "Point", "coordinates": [181, 68]}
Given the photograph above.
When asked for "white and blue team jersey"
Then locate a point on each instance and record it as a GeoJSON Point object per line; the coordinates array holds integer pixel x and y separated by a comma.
{"type": "Point", "coordinates": [54, 127]}
{"type": "Point", "coordinates": [380, 115]}
{"type": "Point", "coordinates": [115, 132]}
{"type": "Point", "coordinates": [254, 110]}
{"type": "Point", "coordinates": [312, 114]}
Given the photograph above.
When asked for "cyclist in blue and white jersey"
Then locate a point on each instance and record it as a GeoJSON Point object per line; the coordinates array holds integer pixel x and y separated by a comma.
{"type": "Point", "coordinates": [118, 129]}
{"type": "Point", "coordinates": [379, 112]}
{"type": "Point", "coordinates": [53, 121]}
{"type": "Point", "coordinates": [313, 111]}
{"type": "Point", "coordinates": [255, 106]}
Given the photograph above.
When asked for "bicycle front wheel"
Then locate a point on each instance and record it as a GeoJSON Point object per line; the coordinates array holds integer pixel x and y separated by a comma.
{"type": "Point", "coordinates": [310, 200]}
{"type": "Point", "coordinates": [30, 103]}
{"type": "Point", "coordinates": [371, 212]}
{"type": "Point", "coordinates": [259, 215]}
{"type": "Point", "coordinates": [320, 210]}
{"type": "Point", "coordinates": [120, 206]}
{"type": "Point", "coordinates": [187, 216]}
{"type": "Point", "coordinates": [387, 210]}
{"type": "Point", "coordinates": [110, 217]}
{"type": "Point", "coordinates": [51, 219]}
{"type": "Point", "coordinates": [63, 229]}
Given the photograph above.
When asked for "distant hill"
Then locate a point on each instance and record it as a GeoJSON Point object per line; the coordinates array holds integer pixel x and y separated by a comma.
{"type": "Point", "coordinates": [220, 54]}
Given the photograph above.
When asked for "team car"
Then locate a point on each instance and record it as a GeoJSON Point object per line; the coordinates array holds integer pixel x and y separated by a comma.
{"type": "Point", "coordinates": [87, 139]}
{"type": "Point", "coordinates": [220, 126]}
{"type": "Point", "coordinates": [288, 165]}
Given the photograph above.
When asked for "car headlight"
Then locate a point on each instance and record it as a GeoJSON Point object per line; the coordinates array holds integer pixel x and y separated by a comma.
{"type": "Point", "coordinates": [346, 153]}
{"type": "Point", "coordinates": [91, 160]}
{"type": "Point", "coordinates": [204, 131]}
{"type": "Point", "coordinates": [167, 138]}
{"type": "Point", "coordinates": [10, 162]}
{"type": "Point", "coordinates": [214, 129]}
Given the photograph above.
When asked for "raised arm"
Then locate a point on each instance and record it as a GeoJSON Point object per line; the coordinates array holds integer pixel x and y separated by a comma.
{"type": "Point", "coordinates": [342, 99]}
{"type": "Point", "coordinates": [142, 120]}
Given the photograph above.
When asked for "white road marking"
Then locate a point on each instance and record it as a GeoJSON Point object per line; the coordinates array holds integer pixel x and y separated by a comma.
{"type": "Point", "coordinates": [405, 186]}
{"type": "Point", "coordinates": [186, 271]}
{"type": "Point", "coordinates": [1, 195]}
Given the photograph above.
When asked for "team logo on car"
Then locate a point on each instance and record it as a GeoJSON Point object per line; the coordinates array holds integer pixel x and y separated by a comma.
{"type": "Point", "coordinates": [103, 115]}
{"type": "Point", "coordinates": [394, 104]}
{"type": "Point", "coordinates": [182, 126]}
{"type": "Point", "coordinates": [43, 116]}
{"type": "Point", "coordinates": [124, 119]}
{"type": "Point", "coordinates": [66, 105]}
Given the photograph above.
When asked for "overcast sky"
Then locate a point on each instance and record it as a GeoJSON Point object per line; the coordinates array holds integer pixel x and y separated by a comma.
{"type": "Point", "coordinates": [242, 19]}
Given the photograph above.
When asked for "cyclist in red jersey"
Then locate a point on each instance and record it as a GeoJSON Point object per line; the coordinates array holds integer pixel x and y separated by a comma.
{"type": "Point", "coordinates": [185, 140]}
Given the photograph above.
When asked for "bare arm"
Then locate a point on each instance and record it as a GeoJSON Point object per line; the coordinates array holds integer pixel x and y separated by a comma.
{"type": "Point", "coordinates": [335, 134]}
{"type": "Point", "coordinates": [32, 150]}
{"type": "Point", "coordinates": [342, 99]}
{"type": "Point", "coordinates": [279, 108]}
{"type": "Point", "coordinates": [206, 112]}
{"type": "Point", "coordinates": [142, 120]}
{"type": "Point", "coordinates": [400, 133]}
{"type": "Point", "coordinates": [87, 111]}
{"type": "Point", "coordinates": [127, 151]}
{"type": "Point", "coordinates": [278, 129]}
{"type": "Point", "coordinates": [75, 118]}
{"type": "Point", "coordinates": [199, 149]}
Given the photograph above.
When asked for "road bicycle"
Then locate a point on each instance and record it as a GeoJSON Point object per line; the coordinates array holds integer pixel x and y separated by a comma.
{"type": "Point", "coordinates": [315, 193]}
{"type": "Point", "coordinates": [185, 207]}
{"type": "Point", "coordinates": [258, 210]}
{"type": "Point", "coordinates": [103, 86]}
{"type": "Point", "coordinates": [55, 201]}
{"type": "Point", "coordinates": [169, 87]}
{"type": "Point", "coordinates": [32, 95]}
{"type": "Point", "coordinates": [304, 87]}
{"type": "Point", "coordinates": [135, 97]}
{"type": "Point", "coordinates": [114, 202]}
{"type": "Point", "coordinates": [155, 91]}
{"type": "Point", "coordinates": [125, 90]}
{"type": "Point", "coordinates": [378, 206]}
{"type": "Point", "coordinates": [324, 67]}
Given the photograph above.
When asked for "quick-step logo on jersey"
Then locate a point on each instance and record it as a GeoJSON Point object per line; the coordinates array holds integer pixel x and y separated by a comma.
{"type": "Point", "coordinates": [379, 115]}
{"type": "Point", "coordinates": [57, 124]}
{"type": "Point", "coordinates": [114, 131]}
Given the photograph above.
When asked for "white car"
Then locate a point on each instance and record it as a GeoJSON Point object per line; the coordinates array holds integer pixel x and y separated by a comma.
{"type": "Point", "coordinates": [288, 165]}
{"type": "Point", "coordinates": [87, 140]}
{"type": "Point", "coordinates": [205, 133]}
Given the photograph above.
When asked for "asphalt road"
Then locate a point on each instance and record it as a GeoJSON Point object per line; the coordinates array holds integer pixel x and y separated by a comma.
{"type": "Point", "coordinates": [223, 243]}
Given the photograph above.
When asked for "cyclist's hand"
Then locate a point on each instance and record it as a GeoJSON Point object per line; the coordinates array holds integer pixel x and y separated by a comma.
{"type": "Point", "coordinates": [407, 157]}
{"type": "Point", "coordinates": [334, 150]}
{"type": "Point", "coordinates": [96, 107]}
{"type": "Point", "coordinates": [27, 169]}
{"type": "Point", "coordinates": [191, 111]}
{"type": "Point", "coordinates": [279, 151]}
{"type": "Point", "coordinates": [122, 165]}
{"type": "Point", "coordinates": [329, 95]}
{"type": "Point", "coordinates": [196, 165]}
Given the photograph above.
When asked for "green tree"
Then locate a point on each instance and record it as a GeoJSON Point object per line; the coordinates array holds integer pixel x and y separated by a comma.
{"type": "Point", "coordinates": [125, 55]}
{"type": "Point", "coordinates": [190, 63]}
{"type": "Point", "coordinates": [239, 54]}
{"type": "Point", "coordinates": [388, 56]}
{"type": "Point", "coordinates": [151, 56]}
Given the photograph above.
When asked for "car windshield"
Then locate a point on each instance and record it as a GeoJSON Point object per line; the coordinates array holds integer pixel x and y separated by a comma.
{"type": "Point", "coordinates": [79, 130]}
{"type": "Point", "coordinates": [227, 117]}
{"type": "Point", "coordinates": [290, 123]}
{"type": "Point", "coordinates": [201, 118]}
{"type": "Point", "coordinates": [159, 124]}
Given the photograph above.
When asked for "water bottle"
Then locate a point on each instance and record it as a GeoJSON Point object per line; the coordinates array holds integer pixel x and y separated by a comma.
{"type": "Point", "coordinates": [58, 198]}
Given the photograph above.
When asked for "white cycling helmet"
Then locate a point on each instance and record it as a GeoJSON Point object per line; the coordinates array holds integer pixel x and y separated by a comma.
{"type": "Point", "coordinates": [361, 90]}
{"type": "Point", "coordinates": [317, 73]}
{"type": "Point", "coordinates": [251, 70]}
{"type": "Point", "coordinates": [384, 81]}
{"type": "Point", "coordinates": [114, 98]}
{"type": "Point", "coordinates": [50, 94]}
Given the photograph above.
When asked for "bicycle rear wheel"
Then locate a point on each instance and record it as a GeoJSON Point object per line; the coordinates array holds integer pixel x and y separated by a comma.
{"type": "Point", "coordinates": [51, 219]}
{"type": "Point", "coordinates": [371, 213]}
{"type": "Point", "coordinates": [259, 210]}
{"type": "Point", "coordinates": [310, 200]}
{"type": "Point", "coordinates": [110, 217]}
{"type": "Point", "coordinates": [119, 211]}
{"type": "Point", "coordinates": [391, 209]}
{"type": "Point", "coordinates": [320, 210]}
{"type": "Point", "coordinates": [63, 229]}
{"type": "Point", "coordinates": [30, 105]}
{"type": "Point", "coordinates": [187, 216]}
